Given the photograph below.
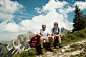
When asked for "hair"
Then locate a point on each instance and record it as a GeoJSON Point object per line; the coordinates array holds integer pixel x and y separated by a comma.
{"type": "Point", "coordinates": [55, 23]}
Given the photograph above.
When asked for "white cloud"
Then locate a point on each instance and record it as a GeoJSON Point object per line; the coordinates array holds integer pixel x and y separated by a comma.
{"type": "Point", "coordinates": [11, 27]}
{"type": "Point", "coordinates": [9, 36]}
{"type": "Point", "coordinates": [38, 10]}
{"type": "Point", "coordinates": [51, 16]}
{"type": "Point", "coordinates": [82, 5]}
{"type": "Point", "coordinates": [8, 8]}
{"type": "Point", "coordinates": [55, 12]}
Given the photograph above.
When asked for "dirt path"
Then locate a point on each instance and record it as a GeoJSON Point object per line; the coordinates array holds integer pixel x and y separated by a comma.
{"type": "Point", "coordinates": [68, 50]}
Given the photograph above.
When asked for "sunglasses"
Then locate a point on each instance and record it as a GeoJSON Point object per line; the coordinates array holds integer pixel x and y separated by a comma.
{"type": "Point", "coordinates": [55, 24]}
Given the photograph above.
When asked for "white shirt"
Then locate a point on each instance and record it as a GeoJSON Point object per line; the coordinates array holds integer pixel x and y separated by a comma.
{"type": "Point", "coordinates": [44, 33]}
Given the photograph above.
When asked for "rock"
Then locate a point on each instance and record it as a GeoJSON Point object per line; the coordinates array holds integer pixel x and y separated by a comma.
{"type": "Point", "coordinates": [20, 43]}
{"type": "Point", "coordinates": [65, 31]}
{"type": "Point", "coordinates": [62, 50]}
{"type": "Point", "coordinates": [3, 50]}
{"type": "Point", "coordinates": [59, 53]}
{"type": "Point", "coordinates": [66, 47]}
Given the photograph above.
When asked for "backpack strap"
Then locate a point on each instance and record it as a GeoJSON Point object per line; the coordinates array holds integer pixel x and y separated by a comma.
{"type": "Point", "coordinates": [58, 29]}
{"type": "Point", "coordinates": [53, 29]}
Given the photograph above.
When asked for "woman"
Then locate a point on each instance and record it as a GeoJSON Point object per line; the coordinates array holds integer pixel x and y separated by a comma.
{"type": "Point", "coordinates": [56, 32]}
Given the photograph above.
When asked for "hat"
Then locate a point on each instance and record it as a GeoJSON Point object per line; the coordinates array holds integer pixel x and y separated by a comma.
{"type": "Point", "coordinates": [44, 24]}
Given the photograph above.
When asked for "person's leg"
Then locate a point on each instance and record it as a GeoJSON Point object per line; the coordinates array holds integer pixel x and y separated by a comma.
{"type": "Point", "coordinates": [59, 40]}
{"type": "Point", "coordinates": [41, 44]}
{"type": "Point", "coordinates": [52, 40]}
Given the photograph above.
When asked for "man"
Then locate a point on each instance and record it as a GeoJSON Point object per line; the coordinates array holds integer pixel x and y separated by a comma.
{"type": "Point", "coordinates": [45, 36]}
{"type": "Point", "coordinates": [56, 32]}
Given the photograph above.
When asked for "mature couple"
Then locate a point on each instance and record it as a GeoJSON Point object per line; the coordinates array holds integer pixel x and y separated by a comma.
{"type": "Point", "coordinates": [45, 36]}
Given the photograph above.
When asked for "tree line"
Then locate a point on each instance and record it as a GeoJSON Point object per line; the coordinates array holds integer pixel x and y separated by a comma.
{"type": "Point", "coordinates": [79, 19]}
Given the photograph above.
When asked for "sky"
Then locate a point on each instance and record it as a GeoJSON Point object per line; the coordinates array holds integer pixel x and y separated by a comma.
{"type": "Point", "coordinates": [19, 16]}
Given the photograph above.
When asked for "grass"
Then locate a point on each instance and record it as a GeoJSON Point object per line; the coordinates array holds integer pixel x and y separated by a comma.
{"type": "Point", "coordinates": [71, 37]}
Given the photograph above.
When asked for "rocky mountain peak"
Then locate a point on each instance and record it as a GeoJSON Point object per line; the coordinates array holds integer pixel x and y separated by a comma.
{"type": "Point", "coordinates": [19, 44]}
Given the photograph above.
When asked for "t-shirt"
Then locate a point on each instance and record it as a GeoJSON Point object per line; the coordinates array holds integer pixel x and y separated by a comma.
{"type": "Point", "coordinates": [56, 31]}
{"type": "Point", "coordinates": [44, 33]}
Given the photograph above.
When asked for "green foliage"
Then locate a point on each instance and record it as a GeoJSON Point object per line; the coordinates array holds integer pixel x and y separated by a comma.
{"type": "Point", "coordinates": [16, 55]}
{"type": "Point", "coordinates": [74, 49]}
{"type": "Point", "coordinates": [32, 51]}
{"type": "Point", "coordinates": [24, 54]}
{"type": "Point", "coordinates": [75, 36]}
{"type": "Point", "coordinates": [84, 50]}
{"type": "Point", "coordinates": [79, 20]}
{"type": "Point", "coordinates": [66, 39]}
{"type": "Point", "coordinates": [80, 55]}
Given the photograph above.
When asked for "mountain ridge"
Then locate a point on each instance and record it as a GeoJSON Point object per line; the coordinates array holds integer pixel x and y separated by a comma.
{"type": "Point", "coordinates": [21, 42]}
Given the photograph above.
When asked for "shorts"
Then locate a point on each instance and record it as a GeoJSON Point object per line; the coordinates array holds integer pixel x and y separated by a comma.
{"type": "Point", "coordinates": [46, 40]}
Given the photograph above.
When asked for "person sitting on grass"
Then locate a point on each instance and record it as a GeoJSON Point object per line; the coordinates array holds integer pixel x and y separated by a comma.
{"type": "Point", "coordinates": [45, 36]}
{"type": "Point", "coordinates": [56, 32]}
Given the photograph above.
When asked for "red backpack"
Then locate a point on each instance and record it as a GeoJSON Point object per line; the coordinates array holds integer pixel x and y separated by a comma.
{"type": "Point", "coordinates": [34, 41]}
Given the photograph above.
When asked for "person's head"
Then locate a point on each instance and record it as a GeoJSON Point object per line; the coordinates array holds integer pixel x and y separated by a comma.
{"type": "Point", "coordinates": [43, 26]}
{"type": "Point", "coordinates": [55, 24]}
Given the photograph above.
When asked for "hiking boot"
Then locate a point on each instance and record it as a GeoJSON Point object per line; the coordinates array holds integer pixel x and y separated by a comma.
{"type": "Point", "coordinates": [60, 46]}
{"type": "Point", "coordinates": [42, 50]}
{"type": "Point", "coordinates": [51, 48]}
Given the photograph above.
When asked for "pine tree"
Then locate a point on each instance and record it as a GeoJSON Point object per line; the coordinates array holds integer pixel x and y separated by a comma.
{"type": "Point", "coordinates": [77, 19]}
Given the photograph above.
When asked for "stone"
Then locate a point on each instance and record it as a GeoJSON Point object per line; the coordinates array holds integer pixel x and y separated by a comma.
{"type": "Point", "coordinates": [62, 50]}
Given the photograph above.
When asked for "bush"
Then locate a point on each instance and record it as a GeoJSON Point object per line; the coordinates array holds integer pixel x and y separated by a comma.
{"type": "Point", "coordinates": [24, 54]}
{"type": "Point", "coordinates": [66, 39]}
{"type": "Point", "coordinates": [32, 51]}
{"type": "Point", "coordinates": [16, 55]}
{"type": "Point", "coordinates": [79, 34]}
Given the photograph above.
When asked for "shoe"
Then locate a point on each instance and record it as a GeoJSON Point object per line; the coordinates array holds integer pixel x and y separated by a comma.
{"type": "Point", "coordinates": [60, 46]}
{"type": "Point", "coordinates": [42, 50]}
{"type": "Point", "coordinates": [51, 48]}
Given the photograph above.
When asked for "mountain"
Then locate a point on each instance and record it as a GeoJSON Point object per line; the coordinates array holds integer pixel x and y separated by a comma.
{"type": "Point", "coordinates": [19, 44]}
{"type": "Point", "coordinates": [65, 31]}
{"type": "Point", "coordinates": [3, 50]}
{"type": "Point", "coordinates": [71, 48]}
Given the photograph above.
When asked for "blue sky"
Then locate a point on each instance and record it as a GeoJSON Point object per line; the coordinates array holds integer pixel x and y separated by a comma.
{"type": "Point", "coordinates": [19, 16]}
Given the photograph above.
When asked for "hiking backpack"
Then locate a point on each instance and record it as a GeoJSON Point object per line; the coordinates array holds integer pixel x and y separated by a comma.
{"type": "Point", "coordinates": [34, 41]}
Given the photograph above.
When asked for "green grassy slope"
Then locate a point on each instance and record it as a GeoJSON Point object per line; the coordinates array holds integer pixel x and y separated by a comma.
{"type": "Point", "coordinates": [66, 39]}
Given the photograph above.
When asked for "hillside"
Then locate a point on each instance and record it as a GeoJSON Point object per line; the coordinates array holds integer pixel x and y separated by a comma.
{"type": "Point", "coordinates": [21, 43]}
{"type": "Point", "coordinates": [70, 39]}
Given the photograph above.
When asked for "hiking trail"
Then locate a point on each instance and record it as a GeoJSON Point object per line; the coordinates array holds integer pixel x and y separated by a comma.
{"type": "Point", "coordinates": [74, 48]}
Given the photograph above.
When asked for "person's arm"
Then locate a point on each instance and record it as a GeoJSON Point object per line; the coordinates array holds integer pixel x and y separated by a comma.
{"type": "Point", "coordinates": [49, 35]}
{"type": "Point", "coordinates": [59, 33]}
{"type": "Point", "coordinates": [53, 33]}
{"type": "Point", "coordinates": [39, 34]}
